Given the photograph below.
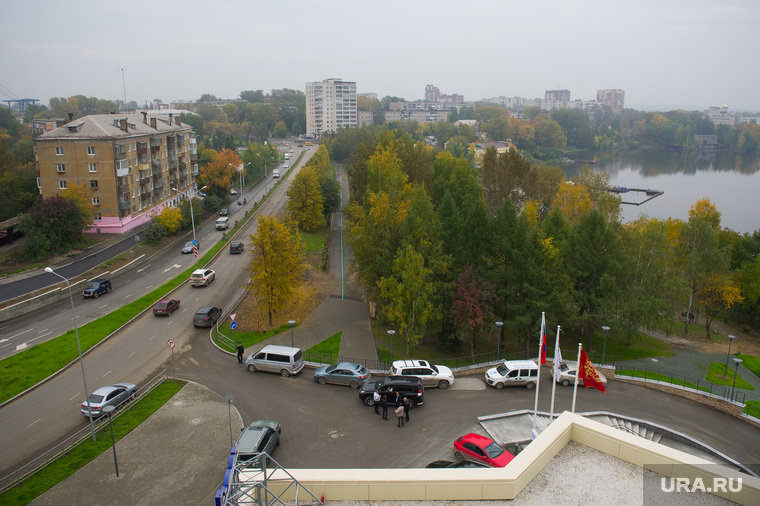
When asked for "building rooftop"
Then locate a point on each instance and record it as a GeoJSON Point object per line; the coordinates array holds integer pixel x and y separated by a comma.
{"type": "Point", "coordinates": [109, 126]}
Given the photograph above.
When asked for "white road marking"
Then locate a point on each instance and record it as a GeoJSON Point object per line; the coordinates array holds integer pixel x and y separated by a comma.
{"type": "Point", "coordinates": [37, 420]}
{"type": "Point", "coordinates": [24, 332]}
{"type": "Point", "coordinates": [175, 266]}
{"type": "Point", "coordinates": [104, 305]}
{"type": "Point", "coordinates": [21, 346]}
{"type": "Point", "coordinates": [106, 374]}
{"type": "Point", "coordinates": [74, 397]}
{"type": "Point", "coordinates": [130, 355]}
{"type": "Point", "coordinates": [140, 270]}
{"type": "Point", "coordinates": [43, 330]}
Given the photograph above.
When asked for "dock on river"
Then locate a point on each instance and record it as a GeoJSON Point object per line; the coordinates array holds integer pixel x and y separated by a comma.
{"type": "Point", "coordinates": [649, 194]}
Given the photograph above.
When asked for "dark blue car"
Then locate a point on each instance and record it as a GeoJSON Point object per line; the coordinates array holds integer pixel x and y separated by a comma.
{"type": "Point", "coordinates": [96, 288]}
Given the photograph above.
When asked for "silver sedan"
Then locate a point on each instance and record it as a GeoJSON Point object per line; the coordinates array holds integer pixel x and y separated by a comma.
{"type": "Point", "coordinates": [344, 373]}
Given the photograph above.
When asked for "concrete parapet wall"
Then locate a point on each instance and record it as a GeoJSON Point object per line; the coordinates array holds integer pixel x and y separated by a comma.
{"type": "Point", "coordinates": [505, 483]}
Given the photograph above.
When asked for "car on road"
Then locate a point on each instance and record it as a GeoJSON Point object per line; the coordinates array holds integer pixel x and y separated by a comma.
{"type": "Point", "coordinates": [431, 375]}
{"type": "Point", "coordinates": [225, 211]}
{"type": "Point", "coordinates": [285, 166]}
{"type": "Point", "coordinates": [237, 247]}
{"type": "Point", "coordinates": [275, 173]}
{"type": "Point", "coordinates": [481, 449]}
{"type": "Point", "coordinates": [187, 248]}
{"type": "Point", "coordinates": [300, 145]}
{"type": "Point", "coordinates": [261, 436]}
{"type": "Point", "coordinates": [112, 395]}
{"type": "Point", "coordinates": [444, 464]}
{"type": "Point", "coordinates": [233, 191]}
{"type": "Point", "coordinates": [96, 288]}
{"type": "Point", "coordinates": [343, 373]}
{"type": "Point", "coordinates": [568, 372]}
{"type": "Point", "coordinates": [202, 277]}
{"type": "Point", "coordinates": [165, 306]}
{"type": "Point", "coordinates": [207, 316]}
{"type": "Point", "coordinates": [513, 373]}
{"type": "Point", "coordinates": [408, 386]}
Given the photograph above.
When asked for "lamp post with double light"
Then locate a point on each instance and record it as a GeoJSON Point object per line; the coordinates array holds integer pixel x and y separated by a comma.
{"type": "Point", "coordinates": [500, 325]}
{"type": "Point", "coordinates": [291, 322]}
{"type": "Point", "coordinates": [728, 355]}
{"type": "Point", "coordinates": [265, 164]}
{"type": "Point", "coordinates": [240, 172]}
{"type": "Point", "coordinates": [737, 362]}
{"type": "Point", "coordinates": [79, 347]}
{"type": "Point", "coordinates": [390, 333]}
{"type": "Point", "coordinates": [606, 329]}
{"type": "Point", "coordinates": [192, 221]}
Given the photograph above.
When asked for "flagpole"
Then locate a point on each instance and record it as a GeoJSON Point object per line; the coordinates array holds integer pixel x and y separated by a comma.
{"type": "Point", "coordinates": [556, 373]}
{"type": "Point", "coordinates": [533, 432]}
{"type": "Point", "coordinates": [577, 373]}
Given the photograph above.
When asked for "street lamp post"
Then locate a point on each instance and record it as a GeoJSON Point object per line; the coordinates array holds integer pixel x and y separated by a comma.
{"type": "Point", "coordinates": [79, 346]}
{"type": "Point", "coordinates": [108, 410]}
{"type": "Point", "coordinates": [265, 164]}
{"type": "Point", "coordinates": [291, 322]}
{"type": "Point", "coordinates": [606, 329]}
{"type": "Point", "coordinates": [390, 333]}
{"type": "Point", "coordinates": [192, 221]}
{"type": "Point", "coordinates": [500, 325]}
{"type": "Point", "coordinates": [737, 362]}
{"type": "Point", "coordinates": [728, 356]}
{"type": "Point", "coordinates": [240, 172]}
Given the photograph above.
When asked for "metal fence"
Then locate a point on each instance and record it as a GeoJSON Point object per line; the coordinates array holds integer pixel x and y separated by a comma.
{"type": "Point", "coordinates": [65, 446]}
{"type": "Point", "coordinates": [697, 385]}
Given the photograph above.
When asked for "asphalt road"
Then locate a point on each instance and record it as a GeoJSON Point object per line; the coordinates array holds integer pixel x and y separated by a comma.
{"type": "Point", "coordinates": [50, 322]}
{"type": "Point", "coordinates": [36, 421]}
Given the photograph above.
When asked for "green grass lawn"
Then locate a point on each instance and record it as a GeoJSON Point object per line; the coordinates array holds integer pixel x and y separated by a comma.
{"type": "Point", "coordinates": [653, 375]}
{"type": "Point", "coordinates": [88, 450]}
{"type": "Point", "coordinates": [248, 339]}
{"type": "Point", "coordinates": [751, 363]}
{"type": "Point", "coordinates": [715, 376]}
{"type": "Point", "coordinates": [752, 408]}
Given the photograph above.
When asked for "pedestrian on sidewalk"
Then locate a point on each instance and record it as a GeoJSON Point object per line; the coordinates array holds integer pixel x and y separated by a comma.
{"type": "Point", "coordinates": [407, 406]}
{"type": "Point", "coordinates": [400, 415]}
{"type": "Point", "coordinates": [384, 404]}
{"type": "Point", "coordinates": [240, 351]}
{"type": "Point", "coordinates": [376, 397]}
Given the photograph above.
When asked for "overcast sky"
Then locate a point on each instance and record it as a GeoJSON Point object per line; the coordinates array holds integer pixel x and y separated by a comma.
{"type": "Point", "coordinates": [663, 53]}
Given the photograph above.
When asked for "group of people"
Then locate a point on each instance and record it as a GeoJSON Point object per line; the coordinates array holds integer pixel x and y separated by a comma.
{"type": "Point", "coordinates": [403, 405]}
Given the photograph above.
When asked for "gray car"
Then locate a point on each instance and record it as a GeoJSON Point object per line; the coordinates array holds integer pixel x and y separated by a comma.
{"type": "Point", "coordinates": [187, 248]}
{"type": "Point", "coordinates": [113, 395]}
{"type": "Point", "coordinates": [344, 373]}
{"type": "Point", "coordinates": [261, 436]}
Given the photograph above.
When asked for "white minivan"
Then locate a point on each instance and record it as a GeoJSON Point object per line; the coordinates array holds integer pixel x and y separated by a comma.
{"type": "Point", "coordinates": [276, 173]}
{"type": "Point", "coordinates": [513, 372]}
{"type": "Point", "coordinates": [274, 358]}
{"type": "Point", "coordinates": [222, 223]}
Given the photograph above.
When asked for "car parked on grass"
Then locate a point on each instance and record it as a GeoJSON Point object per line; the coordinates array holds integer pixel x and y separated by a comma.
{"type": "Point", "coordinates": [112, 395]}
{"type": "Point", "coordinates": [344, 373]}
{"type": "Point", "coordinates": [187, 248]}
{"type": "Point", "coordinates": [568, 372]}
{"type": "Point", "coordinates": [261, 436]}
{"type": "Point", "coordinates": [431, 375]}
{"type": "Point", "coordinates": [165, 306]}
{"type": "Point", "coordinates": [207, 316]}
{"type": "Point", "coordinates": [408, 386]}
{"type": "Point", "coordinates": [481, 449]}
{"type": "Point", "coordinates": [202, 277]}
{"type": "Point", "coordinates": [96, 288]}
{"type": "Point", "coordinates": [236, 247]}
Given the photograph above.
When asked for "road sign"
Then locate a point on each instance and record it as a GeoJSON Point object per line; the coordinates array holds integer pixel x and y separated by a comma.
{"type": "Point", "coordinates": [232, 316]}
{"type": "Point", "coordinates": [170, 343]}
{"type": "Point", "coordinates": [233, 325]}
{"type": "Point", "coordinates": [195, 242]}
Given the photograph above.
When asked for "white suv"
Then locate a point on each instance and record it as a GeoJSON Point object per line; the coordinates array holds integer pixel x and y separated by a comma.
{"type": "Point", "coordinates": [431, 375]}
{"type": "Point", "coordinates": [202, 277]}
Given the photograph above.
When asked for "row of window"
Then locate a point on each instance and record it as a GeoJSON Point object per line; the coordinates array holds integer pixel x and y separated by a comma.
{"type": "Point", "coordinates": [63, 184]}
{"type": "Point", "coordinates": [91, 149]}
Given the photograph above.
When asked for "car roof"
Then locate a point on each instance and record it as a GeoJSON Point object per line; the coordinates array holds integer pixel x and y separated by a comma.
{"type": "Point", "coordinates": [411, 363]}
{"type": "Point", "coordinates": [205, 309]}
{"type": "Point", "coordinates": [201, 271]}
{"type": "Point", "coordinates": [348, 365]}
{"type": "Point", "coordinates": [477, 438]}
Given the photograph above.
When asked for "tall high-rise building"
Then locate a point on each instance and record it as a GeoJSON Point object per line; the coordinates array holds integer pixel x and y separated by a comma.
{"type": "Point", "coordinates": [612, 98]}
{"type": "Point", "coordinates": [560, 95]}
{"type": "Point", "coordinates": [330, 106]}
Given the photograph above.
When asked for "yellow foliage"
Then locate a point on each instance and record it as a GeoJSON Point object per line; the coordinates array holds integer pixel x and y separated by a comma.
{"type": "Point", "coordinates": [170, 219]}
{"type": "Point", "coordinates": [574, 201]}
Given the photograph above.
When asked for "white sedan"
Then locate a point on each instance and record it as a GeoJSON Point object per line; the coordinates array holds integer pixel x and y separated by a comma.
{"type": "Point", "coordinates": [568, 372]}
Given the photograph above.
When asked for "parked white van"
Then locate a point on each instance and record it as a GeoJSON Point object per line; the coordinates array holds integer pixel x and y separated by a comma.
{"type": "Point", "coordinates": [222, 223]}
{"type": "Point", "coordinates": [273, 358]}
{"type": "Point", "coordinates": [513, 372]}
{"type": "Point", "coordinates": [276, 173]}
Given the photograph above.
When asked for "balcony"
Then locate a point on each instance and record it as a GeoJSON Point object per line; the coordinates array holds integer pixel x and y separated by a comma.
{"type": "Point", "coordinates": [123, 204]}
{"type": "Point", "coordinates": [156, 172]}
{"type": "Point", "coordinates": [180, 140]}
{"type": "Point", "coordinates": [172, 166]}
{"type": "Point", "coordinates": [144, 194]}
{"type": "Point", "coordinates": [119, 151]}
{"type": "Point", "coordinates": [172, 154]}
{"type": "Point", "coordinates": [158, 184]}
{"type": "Point", "coordinates": [155, 143]}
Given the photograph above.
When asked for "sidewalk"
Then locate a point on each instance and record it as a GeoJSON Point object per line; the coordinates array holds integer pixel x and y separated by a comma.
{"type": "Point", "coordinates": [177, 456]}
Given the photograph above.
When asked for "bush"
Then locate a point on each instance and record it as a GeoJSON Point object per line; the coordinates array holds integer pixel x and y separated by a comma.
{"type": "Point", "coordinates": [154, 233]}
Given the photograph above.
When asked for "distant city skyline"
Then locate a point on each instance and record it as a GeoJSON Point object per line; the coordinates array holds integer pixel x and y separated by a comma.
{"type": "Point", "coordinates": [677, 53]}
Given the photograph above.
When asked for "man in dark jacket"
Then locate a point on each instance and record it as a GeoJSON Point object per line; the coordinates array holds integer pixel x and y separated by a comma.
{"type": "Point", "coordinates": [240, 350]}
{"type": "Point", "coordinates": [384, 404]}
{"type": "Point", "coordinates": [407, 406]}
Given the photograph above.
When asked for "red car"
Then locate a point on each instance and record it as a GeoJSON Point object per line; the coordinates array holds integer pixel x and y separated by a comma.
{"type": "Point", "coordinates": [165, 306]}
{"type": "Point", "coordinates": [481, 449]}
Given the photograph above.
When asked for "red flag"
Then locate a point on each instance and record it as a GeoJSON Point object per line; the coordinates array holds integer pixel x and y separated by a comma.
{"type": "Point", "coordinates": [588, 374]}
{"type": "Point", "coordinates": [543, 339]}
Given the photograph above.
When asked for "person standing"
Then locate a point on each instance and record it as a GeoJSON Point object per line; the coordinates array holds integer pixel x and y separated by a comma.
{"type": "Point", "coordinates": [384, 404]}
{"type": "Point", "coordinates": [376, 397]}
{"type": "Point", "coordinates": [240, 351]}
{"type": "Point", "coordinates": [400, 414]}
{"type": "Point", "coordinates": [407, 406]}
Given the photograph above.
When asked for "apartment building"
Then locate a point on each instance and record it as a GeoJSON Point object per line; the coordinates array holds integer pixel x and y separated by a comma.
{"type": "Point", "coordinates": [330, 106]}
{"type": "Point", "coordinates": [612, 98]}
{"type": "Point", "coordinates": [135, 165]}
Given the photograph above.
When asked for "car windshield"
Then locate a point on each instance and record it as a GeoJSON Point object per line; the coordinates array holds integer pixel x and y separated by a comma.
{"type": "Point", "coordinates": [331, 368]}
{"type": "Point", "coordinates": [563, 367]}
{"type": "Point", "coordinates": [493, 450]}
{"type": "Point", "coordinates": [93, 285]}
{"type": "Point", "coordinates": [161, 305]}
{"type": "Point", "coordinates": [502, 369]}
{"type": "Point", "coordinates": [434, 368]}
{"type": "Point", "coordinates": [188, 245]}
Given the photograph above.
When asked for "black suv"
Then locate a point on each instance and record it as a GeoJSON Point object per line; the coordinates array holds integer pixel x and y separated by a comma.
{"type": "Point", "coordinates": [207, 316]}
{"type": "Point", "coordinates": [408, 386]}
{"type": "Point", "coordinates": [97, 288]}
{"type": "Point", "coordinates": [236, 247]}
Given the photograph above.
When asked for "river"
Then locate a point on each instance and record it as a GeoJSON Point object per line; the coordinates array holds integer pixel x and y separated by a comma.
{"type": "Point", "coordinates": [731, 182]}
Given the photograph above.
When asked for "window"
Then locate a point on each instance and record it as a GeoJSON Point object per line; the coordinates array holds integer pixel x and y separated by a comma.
{"type": "Point", "coordinates": [61, 168]}
{"type": "Point", "coordinates": [90, 150]}
{"type": "Point", "coordinates": [96, 201]}
{"type": "Point", "coordinates": [94, 184]}
{"type": "Point", "coordinates": [62, 185]}
{"type": "Point", "coordinates": [59, 151]}
{"type": "Point", "coordinates": [98, 217]}
{"type": "Point", "coordinates": [92, 167]}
